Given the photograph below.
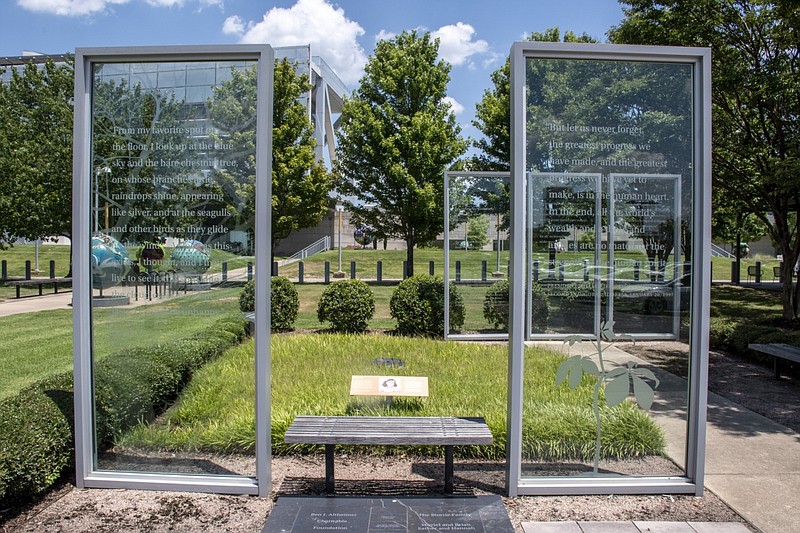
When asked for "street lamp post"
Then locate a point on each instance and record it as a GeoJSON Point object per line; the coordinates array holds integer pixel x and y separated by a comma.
{"type": "Point", "coordinates": [105, 170]}
{"type": "Point", "coordinates": [340, 210]}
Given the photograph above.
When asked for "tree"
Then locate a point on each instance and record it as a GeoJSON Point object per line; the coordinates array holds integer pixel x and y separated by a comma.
{"type": "Point", "coordinates": [756, 102]}
{"type": "Point", "coordinates": [125, 148]}
{"type": "Point", "coordinates": [477, 232]}
{"type": "Point", "coordinates": [493, 112]}
{"type": "Point", "coordinates": [300, 184]}
{"type": "Point", "coordinates": [397, 138]}
{"type": "Point", "coordinates": [36, 152]}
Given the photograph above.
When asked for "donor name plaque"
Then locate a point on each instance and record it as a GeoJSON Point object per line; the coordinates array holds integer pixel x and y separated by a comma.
{"type": "Point", "coordinates": [297, 514]}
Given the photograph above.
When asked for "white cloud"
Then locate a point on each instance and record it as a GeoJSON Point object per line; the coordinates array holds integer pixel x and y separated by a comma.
{"type": "Point", "coordinates": [455, 106]}
{"type": "Point", "coordinates": [456, 44]}
{"type": "Point", "coordinates": [384, 35]}
{"type": "Point", "coordinates": [166, 3]}
{"type": "Point", "coordinates": [316, 22]}
{"type": "Point", "coordinates": [68, 8]}
{"type": "Point", "coordinates": [233, 25]}
{"type": "Point", "coordinates": [76, 8]}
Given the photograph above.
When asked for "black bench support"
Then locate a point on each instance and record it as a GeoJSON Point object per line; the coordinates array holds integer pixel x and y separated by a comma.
{"type": "Point", "coordinates": [778, 351]}
{"type": "Point", "coordinates": [330, 481]}
{"type": "Point", "coordinates": [38, 282]}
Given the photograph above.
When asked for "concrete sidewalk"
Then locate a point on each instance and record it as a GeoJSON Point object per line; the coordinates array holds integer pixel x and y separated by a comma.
{"type": "Point", "coordinates": [752, 463]}
{"type": "Point", "coordinates": [32, 304]}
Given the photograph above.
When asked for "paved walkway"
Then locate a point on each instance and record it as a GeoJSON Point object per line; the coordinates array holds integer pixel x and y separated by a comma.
{"type": "Point", "coordinates": [634, 527]}
{"type": "Point", "coordinates": [752, 463]}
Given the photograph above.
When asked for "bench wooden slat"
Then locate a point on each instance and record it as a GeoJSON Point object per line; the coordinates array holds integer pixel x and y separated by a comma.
{"type": "Point", "coordinates": [778, 350]}
{"type": "Point", "coordinates": [39, 282]}
{"type": "Point", "coordinates": [388, 430]}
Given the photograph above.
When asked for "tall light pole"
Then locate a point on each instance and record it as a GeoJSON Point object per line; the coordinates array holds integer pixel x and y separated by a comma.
{"type": "Point", "coordinates": [499, 242]}
{"type": "Point", "coordinates": [105, 170]}
{"type": "Point", "coordinates": [340, 210]}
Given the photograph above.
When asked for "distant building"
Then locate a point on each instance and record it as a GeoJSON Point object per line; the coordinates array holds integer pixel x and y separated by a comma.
{"type": "Point", "coordinates": [323, 102]}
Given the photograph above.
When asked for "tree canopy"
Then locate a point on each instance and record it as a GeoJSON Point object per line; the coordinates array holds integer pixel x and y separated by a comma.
{"type": "Point", "coordinates": [398, 136]}
{"type": "Point", "coordinates": [756, 102]}
{"type": "Point", "coordinates": [36, 152]}
{"type": "Point", "coordinates": [300, 184]}
{"type": "Point", "coordinates": [493, 112]}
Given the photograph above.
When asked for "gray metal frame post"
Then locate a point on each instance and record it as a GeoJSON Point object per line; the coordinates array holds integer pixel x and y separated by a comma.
{"type": "Point", "coordinates": [87, 474]}
{"type": "Point", "coordinates": [448, 176]}
{"type": "Point", "coordinates": [700, 61]}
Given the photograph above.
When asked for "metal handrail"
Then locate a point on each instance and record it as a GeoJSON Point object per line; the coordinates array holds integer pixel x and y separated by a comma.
{"type": "Point", "coordinates": [322, 245]}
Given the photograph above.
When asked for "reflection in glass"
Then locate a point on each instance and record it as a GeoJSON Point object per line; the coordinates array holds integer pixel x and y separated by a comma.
{"type": "Point", "coordinates": [477, 251]}
{"type": "Point", "coordinates": [168, 189]}
{"type": "Point", "coordinates": [609, 210]}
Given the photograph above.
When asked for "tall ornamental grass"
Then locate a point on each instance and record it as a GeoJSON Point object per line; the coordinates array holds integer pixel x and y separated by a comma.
{"type": "Point", "coordinates": [311, 376]}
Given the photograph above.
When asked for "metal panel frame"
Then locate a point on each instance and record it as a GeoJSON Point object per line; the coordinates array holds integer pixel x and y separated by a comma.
{"type": "Point", "coordinates": [86, 474]}
{"type": "Point", "coordinates": [596, 271]}
{"type": "Point", "coordinates": [676, 238]}
{"type": "Point", "coordinates": [447, 334]}
{"type": "Point", "coordinates": [700, 60]}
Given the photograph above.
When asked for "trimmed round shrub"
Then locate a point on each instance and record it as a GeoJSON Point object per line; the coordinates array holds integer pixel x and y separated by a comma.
{"type": "Point", "coordinates": [348, 305]}
{"type": "Point", "coordinates": [284, 301]}
{"type": "Point", "coordinates": [418, 306]}
{"type": "Point", "coordinates": [247, 298]}
{"type": "Point", "coordinates": [495, 306]}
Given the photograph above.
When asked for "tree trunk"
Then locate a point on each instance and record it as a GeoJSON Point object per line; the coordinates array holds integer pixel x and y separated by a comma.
{"type": "Point", "coordinates": [789, 289]}
{"type": "Point", "coordinates": [410, 256]}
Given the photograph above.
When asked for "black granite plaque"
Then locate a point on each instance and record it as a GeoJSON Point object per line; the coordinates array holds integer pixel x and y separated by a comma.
{"type": "Point", "coordinates": [298, 514]}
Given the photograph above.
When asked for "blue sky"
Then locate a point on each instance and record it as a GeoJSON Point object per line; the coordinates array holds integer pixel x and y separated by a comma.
{"type": "Point", "coordinates": [475, 35]}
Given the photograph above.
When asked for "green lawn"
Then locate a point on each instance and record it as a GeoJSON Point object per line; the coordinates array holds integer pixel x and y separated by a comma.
{"type": "Point", "coordinates": [36, 345]}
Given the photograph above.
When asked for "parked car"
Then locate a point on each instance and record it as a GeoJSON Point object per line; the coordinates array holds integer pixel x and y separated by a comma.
{"type": "Point", "coordinates": [656, 297]}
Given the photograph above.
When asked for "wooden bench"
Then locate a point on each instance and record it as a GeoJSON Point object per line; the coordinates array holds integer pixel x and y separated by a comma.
{"type": "Point", "coordinates": [388, 430]}
{"type": "Point", "coordinates": [778, 351]}
{"type": "Point", "coordinates": [40, 282]}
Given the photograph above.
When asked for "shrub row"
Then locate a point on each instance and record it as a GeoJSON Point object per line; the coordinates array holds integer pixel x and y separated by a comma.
{"type": "Point", "coordinates": [348, 305]}
{"type": "Point", "coordinates": [134, 385]}
{"type": "Point", "coordinates": [733, 335]}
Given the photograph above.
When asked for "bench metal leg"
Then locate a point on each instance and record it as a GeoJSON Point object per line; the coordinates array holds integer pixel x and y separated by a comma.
{"type": "Point", "coordinates": [777, 367]}
{"type": "Point", "coordinates": [329, 479]}
{"type": "Point", "coordinates": [448, 469]}
{"type": "Point", "coordinates": [17, 287]}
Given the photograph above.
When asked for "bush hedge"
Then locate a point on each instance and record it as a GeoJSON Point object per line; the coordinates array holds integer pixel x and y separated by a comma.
{"type": "Point", "coordinates": [418, 306]}
{"type": "Point", "coordinates": [134, 385]}
{"type": "Point", "coordinates": [348, 305]}
{"type": "Point", "coordinates": [495, 306]}
{"type": "Point", "coordinates": [733, 335]}
{"type": "Point", "coordinates": [284, 302]}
